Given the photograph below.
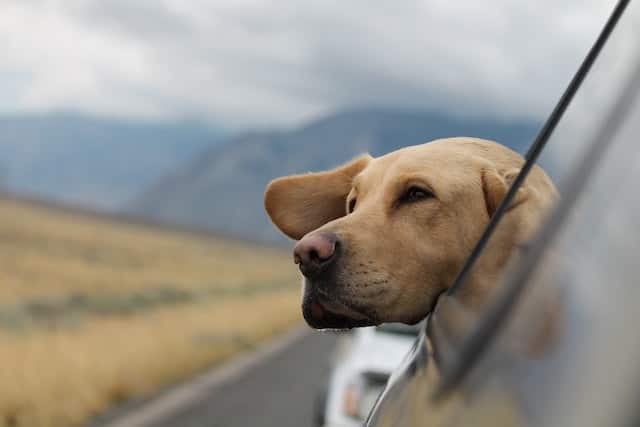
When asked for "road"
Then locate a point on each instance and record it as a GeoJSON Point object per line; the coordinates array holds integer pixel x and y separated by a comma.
{"type": "Point", "coordinates": [276, 388]}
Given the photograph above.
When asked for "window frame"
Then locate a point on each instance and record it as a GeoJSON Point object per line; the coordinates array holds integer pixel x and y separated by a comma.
{"type": "Point", "coordinates": [490, 321]}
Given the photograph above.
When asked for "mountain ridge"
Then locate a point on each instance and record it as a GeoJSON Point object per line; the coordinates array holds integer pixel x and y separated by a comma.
{"type": "Point", "coordinates": [92, 161]}
{"type": "Point", "coordinates": [221, 189]}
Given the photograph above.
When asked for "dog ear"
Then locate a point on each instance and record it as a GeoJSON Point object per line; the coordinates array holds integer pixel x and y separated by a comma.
{"type": "Point", "coordinates": [298, 204]}
{"type": "Point", "coordinates": [495, 186]}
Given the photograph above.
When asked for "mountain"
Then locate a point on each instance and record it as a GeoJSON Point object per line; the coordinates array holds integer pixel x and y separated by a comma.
{"type": "Point", "coordinates": [222, 189]}
{"type": "Point", "coordinates": [93, 162]}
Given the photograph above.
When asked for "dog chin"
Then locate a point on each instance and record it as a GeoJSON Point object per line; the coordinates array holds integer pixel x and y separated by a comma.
{"type": "Point", "coordinates": [323, 315]}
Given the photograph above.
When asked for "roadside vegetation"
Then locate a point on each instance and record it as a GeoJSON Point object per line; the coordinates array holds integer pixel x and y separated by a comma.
{"type": "Point", "coordinates": [95, 311]}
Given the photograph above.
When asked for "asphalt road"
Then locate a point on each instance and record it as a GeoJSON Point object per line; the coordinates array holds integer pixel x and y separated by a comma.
{"type": "Point", "coordinates": [278, 391]}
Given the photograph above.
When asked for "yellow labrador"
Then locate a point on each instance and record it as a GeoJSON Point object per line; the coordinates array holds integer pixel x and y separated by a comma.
{"type": "Point", "coordinates": [381, 238]}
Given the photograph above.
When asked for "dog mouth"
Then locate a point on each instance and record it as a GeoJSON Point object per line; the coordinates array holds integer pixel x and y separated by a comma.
{"type": "Point", "coordinates": [326, 311]}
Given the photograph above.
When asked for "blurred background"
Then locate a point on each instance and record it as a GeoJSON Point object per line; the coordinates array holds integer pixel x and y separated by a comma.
{"type": "Point", "coordinates": [136, 139]}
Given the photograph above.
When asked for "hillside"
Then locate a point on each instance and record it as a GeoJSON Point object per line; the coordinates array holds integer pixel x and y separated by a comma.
{"type": "Point", "coordinates": [222, 189]}
{"type": "Point", "coordinates": [89, 161]}
{"type": "Point", "coordinates": [95, 311]}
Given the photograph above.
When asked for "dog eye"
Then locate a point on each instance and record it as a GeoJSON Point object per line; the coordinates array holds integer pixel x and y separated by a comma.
{"type": "Point", "coordinates": [414, 194]}
{"type": "Point", "coordinates": [352, 205]}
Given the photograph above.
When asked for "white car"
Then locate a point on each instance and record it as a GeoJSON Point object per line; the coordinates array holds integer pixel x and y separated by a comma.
{"type": "Point", "coordinates": [362, 363]}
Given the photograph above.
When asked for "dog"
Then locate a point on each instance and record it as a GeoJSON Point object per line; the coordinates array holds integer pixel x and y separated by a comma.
{"type": "Point", "coordinates": [379, 239]}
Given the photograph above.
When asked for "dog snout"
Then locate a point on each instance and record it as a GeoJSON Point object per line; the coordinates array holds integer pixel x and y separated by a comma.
{"type": "Point", "coordinates": [315, 253]}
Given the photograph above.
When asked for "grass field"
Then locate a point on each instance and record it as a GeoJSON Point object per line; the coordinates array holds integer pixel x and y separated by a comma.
{"type": "Point", "coordinates": [95, 311]}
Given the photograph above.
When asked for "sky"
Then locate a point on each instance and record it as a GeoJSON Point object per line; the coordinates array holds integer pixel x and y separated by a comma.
{"type": "Point", "coordinates": [250, 63]}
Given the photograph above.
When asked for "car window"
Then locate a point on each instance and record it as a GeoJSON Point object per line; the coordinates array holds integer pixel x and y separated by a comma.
{"type": "Point", "coordinates": [519, 385]}
{"type": "Point", "coordinates": [578, 113]}
{"type": "Point", "coordinates": [569, 267]}
{"type": "Point", "coordinates": [586, 264]}
{"type": "Point", "coordinates": [539, 380]}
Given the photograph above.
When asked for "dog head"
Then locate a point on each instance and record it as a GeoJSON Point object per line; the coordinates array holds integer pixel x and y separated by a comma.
{"type": "Point", "coordinates": [381, 238]}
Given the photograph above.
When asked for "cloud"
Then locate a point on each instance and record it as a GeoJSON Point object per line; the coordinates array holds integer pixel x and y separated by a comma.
{"type": "Point", "coordinates": [271, 63]}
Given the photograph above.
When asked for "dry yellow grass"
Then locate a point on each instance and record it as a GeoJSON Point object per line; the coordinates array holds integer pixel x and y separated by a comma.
{"type": "Point", "coordinates": [59, 374]}
{"type": "Point", "coordinates": [47, 252]}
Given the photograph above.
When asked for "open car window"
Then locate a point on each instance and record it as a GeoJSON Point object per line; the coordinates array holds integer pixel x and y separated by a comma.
{"type": "Point", "coordinates": [576, 281]}
{"type": "Point", "coordinates": [588, 114]}
{"type": "Point", "coordinates": [585, 265]}
{"type": "Point", "coordinates": [560, 134]}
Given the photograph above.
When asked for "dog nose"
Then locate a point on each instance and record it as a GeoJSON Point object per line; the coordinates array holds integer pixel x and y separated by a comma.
{"type": "Point", "coordinates": [314, 253]}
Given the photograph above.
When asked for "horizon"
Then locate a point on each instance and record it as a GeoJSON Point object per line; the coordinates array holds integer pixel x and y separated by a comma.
{"type": "Point", "coordinates": [230, 132]}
